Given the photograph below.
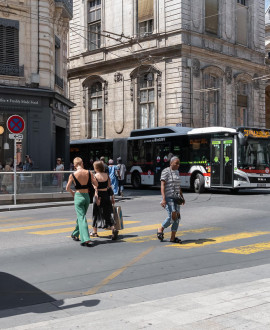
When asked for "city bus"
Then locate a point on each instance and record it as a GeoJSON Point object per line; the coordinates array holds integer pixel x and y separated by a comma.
{"type": "Point", "coordinates": [210, 157]}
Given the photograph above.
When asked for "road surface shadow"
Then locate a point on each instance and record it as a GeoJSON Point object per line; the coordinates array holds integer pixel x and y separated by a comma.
{"type": "Point", "coordinates": [17, 294]}
{"type": "Point", "coordinates": [197, 241]}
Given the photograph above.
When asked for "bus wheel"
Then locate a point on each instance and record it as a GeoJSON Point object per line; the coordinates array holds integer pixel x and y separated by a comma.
{"type": "Point", "coordinates": [136, 180]}
{"type": "Point", "coordinates": [234, 191]}
{"type": "Point", "coordinates": [199, 184]}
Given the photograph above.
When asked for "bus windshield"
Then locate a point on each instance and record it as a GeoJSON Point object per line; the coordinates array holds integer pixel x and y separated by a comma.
{"type": "Point", "coordinates": [255, 153]}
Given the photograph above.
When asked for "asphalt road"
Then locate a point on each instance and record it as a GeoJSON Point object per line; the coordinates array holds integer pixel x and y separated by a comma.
{"type": "Point", "coordinates": [41, 263]}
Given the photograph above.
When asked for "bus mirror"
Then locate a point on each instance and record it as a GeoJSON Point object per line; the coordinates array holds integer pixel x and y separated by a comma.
{"type": "Point", "coordinates": [242, 139]}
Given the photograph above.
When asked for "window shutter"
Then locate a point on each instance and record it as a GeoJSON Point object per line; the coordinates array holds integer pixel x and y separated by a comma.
{"type": "Point", "coordinates": [9, 47]}
{"type": "Point", "coordinates": [145, 10]}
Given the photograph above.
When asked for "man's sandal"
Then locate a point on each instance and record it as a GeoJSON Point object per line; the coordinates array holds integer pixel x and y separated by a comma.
{"type": "Point", "coordinates": [94, 234]}
{"type": "Point", "coordinates": [160, 236]}
{"type": "Point", "coordinates": [176, 240]}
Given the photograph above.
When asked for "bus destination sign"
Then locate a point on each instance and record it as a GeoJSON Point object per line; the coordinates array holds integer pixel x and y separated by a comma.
{"type": "Point", "coordinates": [256, 133]}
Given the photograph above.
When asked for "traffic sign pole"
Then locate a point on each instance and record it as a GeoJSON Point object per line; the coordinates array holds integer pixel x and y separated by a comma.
{"type": "Point", "coordinates": [15, 171]}
{"type": "Point", "coordinates": [15, 125]}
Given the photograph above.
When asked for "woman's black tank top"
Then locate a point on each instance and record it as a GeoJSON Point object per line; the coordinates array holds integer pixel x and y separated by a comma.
{"type": "Point", "coordinates": [80, 186]}
{"type": "Point", "coordinates": [102, 185]}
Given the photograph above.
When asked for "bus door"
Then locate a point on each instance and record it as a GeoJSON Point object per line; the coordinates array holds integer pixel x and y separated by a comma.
{"type": "Point", "coordinates": [222, 162]}
{"type": "Point", "coordinates": [162, 157]}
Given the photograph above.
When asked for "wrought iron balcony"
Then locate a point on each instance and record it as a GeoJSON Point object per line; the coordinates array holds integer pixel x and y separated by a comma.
{"type": "Point", "coordinates": [67, 5]}
{"type": "Point", "coordinates": [59, 81]}
{"type": "Point", "coordinates": [11, 70]}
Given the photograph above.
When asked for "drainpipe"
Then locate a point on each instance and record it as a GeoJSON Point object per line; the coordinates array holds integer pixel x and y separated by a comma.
{"type": "Point", "coordinates": [38, 42]}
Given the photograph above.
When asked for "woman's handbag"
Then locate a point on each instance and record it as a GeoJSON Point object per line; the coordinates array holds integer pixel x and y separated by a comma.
{"type": "Point", "coordinates": [176, 197]}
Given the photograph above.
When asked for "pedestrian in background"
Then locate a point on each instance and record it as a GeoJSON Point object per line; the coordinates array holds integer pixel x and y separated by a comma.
{"type": "Point", "coordinates": [82, 180]}
{"type": "Point", "coordinates": [121, 176]}
{"type": "Point", "coordinates": [102, 204]}
{"type": "Point", "coordinates": [113, 173]}
{"type": "Point", "coordinates": [28, 164]}
{"type": "Point", "coordinates": [106, 169]}
{"type": "Point", "coordinates": [59, 177]}
{"type": "Point", "coordinates": [170, 183]}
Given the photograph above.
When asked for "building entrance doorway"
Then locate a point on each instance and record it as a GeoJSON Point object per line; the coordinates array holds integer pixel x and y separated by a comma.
{"type": "Point", "coordinates": [60, 140]}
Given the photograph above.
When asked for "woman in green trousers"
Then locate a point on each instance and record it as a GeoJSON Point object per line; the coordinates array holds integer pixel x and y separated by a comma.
{"type": "Point", "coordinates": [82, 179]}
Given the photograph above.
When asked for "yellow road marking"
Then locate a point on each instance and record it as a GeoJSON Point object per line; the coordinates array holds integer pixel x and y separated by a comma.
{"type": "Point", "coordinates": [218, 240]}
{"type": "Point", "coordinates": [14, 219]}
{"type": "Point", "coordinates": [106, 232]}
{"type": "Point", "coordinates": [249, 249]}
{"type": "Point", "coordinates": [117, 272]}
{"type": "Point", "coordinates": [142, 239]}
{"type": "Point", "coordinates": [56, 224]}
{"type": "Point", "coordinates": [31, 222]}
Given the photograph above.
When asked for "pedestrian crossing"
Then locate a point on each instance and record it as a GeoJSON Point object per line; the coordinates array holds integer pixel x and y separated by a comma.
{"type": "Point", "coordinates": [136, 233]}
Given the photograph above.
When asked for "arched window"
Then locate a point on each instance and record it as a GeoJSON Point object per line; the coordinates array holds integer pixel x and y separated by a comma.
{"type": "Point", "coordinates": [146, 97]}
{"type": "Point", "coordinates": [95, 104]}
{"type": "Point", "coordinates": [242, 104]}
{"type": "Point", "coordinates": [212, 101]}
{"type": "Point", "coordinates": [214, 113]}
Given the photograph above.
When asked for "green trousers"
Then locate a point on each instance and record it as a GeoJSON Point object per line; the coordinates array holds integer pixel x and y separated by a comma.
{"type": "Point", "coordinates": [81, 201]}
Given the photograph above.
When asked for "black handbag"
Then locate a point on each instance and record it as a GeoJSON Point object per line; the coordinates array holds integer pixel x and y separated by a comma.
{"type": "Point", "coordinates": [176, 197]}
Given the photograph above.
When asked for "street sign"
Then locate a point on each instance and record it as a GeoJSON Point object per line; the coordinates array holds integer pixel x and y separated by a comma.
{"type": "Point", "coordinates": [15, 124]}
{"type": "Point", "coordinates": [16, 136]}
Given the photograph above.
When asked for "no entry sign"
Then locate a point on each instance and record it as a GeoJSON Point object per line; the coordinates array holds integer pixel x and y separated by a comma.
{"type": "Point", "coordinates": [15, 124]}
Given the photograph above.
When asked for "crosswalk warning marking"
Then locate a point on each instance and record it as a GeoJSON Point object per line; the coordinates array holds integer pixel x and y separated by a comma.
{"type": "Point", "coordinates": [142, 239]}
{"type": "Point", "coordinates": [249, 249]}
{"type": "Point", "coordinates": [106, 232]}
{"type": "Point", "coordinates": [14, 219]}
{"type": "Point", "coordinates": [217, 240]}
{"type": "Point", "coordinates": [48, 225]}
{"type": "Point", "coordinates": [10, 224]}
{"type": "Point", "coordinates": [56, 224]}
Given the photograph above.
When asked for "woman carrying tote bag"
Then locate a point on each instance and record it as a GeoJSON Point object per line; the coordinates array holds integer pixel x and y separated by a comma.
{"type": "Point", "coordinates": [170, 186]}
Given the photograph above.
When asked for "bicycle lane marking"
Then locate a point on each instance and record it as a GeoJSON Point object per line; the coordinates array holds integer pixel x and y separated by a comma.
{"type": "Point", "coordinates": [116, 273]}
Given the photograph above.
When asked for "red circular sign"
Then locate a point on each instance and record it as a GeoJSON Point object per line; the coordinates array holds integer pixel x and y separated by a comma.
{"type": "Point", "coordinates": [267, 170]}
{"type": "Point", "coordinates": [15, 124]}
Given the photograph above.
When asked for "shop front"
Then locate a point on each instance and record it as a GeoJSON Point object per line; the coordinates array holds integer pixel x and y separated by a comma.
{"type": "Point", "coordinates": [46, 133]}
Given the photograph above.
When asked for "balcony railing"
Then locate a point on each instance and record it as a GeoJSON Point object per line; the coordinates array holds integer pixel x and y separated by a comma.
{"type": "Point", "coordinates": [11, 70]}
{"type": "Point", "coordinates": [68, 5]}
{"type": "Point", "coordinates": [59, 81]}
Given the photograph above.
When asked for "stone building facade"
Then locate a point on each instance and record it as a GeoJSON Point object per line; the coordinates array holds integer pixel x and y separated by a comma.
{"type": "Point", "coordinates": [267, 73]}
{"type": "Point", "coordinates": [33, 79]}
{"type": "Point", "coordinates": [145, 63]}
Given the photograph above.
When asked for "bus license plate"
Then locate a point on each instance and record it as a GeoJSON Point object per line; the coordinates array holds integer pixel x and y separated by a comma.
{"type": "Point", "coordinates": [261, 185]}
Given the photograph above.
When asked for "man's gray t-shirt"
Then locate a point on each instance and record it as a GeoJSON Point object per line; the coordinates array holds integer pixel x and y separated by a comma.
{"type": "Point", "coordinates": [172, 179]}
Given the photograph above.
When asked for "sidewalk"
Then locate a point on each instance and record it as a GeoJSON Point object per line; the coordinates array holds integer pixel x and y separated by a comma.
{"type": "Point", "coordinates": [238, 299]}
